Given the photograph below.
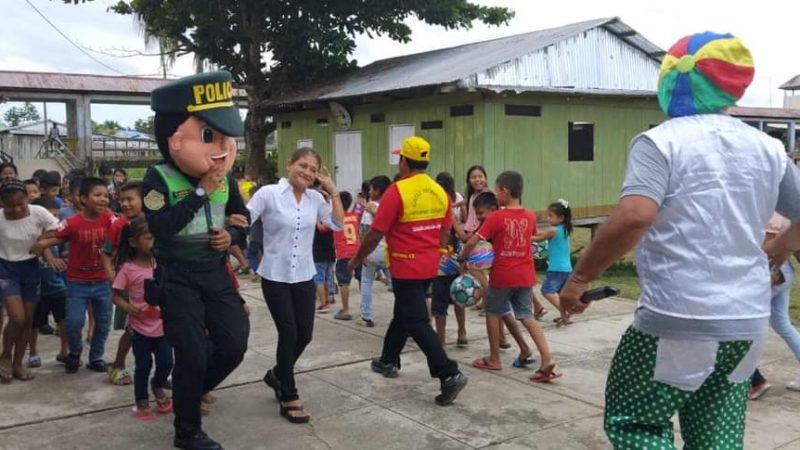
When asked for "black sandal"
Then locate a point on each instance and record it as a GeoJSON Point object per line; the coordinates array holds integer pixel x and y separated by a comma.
{"type": "Point", "coordinates": [272, 381]}
{"type": "Point", "coordinates": [294, 419]}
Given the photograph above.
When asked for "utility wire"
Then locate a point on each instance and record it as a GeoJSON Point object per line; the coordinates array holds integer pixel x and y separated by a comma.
{"type": "Point", "coordinates": [70, 40]}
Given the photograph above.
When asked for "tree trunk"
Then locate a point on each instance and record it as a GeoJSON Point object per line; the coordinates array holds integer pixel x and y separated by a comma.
{"type": "Point", "coordinates": [255, 137]}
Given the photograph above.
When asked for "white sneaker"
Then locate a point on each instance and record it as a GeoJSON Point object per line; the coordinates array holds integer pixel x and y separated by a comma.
{"type": "Point", "coordinates": [794, 385]}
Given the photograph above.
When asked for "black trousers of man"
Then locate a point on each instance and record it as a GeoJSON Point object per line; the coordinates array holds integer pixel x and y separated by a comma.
{"type": "Point", "coordinates": [205, 322]}
{"type": "Point", "coordinates": [411, 319]}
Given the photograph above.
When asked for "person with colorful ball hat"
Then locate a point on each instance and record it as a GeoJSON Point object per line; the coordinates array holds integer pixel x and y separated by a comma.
{"type": "Point", "coordinates": [416, 218]}
{"type": "Point", "coordinates": [697, 196]}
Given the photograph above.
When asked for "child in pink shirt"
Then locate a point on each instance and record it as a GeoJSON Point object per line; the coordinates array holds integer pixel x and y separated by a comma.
{"type": "Point", "coordinates": [135, 260]}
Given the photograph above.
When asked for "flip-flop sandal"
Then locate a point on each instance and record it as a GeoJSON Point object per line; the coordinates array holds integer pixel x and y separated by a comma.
{"type": "Point", "coordinates": [562, 323]}
{"type": "Point", "coordinates": [482, 363]}
{"type": "Point", "coordinates": [462, 343]}
{"type": "Point", "coordinates": [340, 316]}
{"type": "Point", "coordinates": [540, 314]}
{"type": "Point", "coordinates": [544, 377]}
{"type": "Point", "coordinates": [522, 363]}
{"type": "Point", "coordinates": [294, 419]}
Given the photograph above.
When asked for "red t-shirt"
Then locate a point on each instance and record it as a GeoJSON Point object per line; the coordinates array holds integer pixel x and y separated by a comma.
{"type": "Point", "coordinates": [510, 232]}
{"type": "Point", "coordinates": [347, 241]}
{"type": "Point", "coordinates": [412, 215]}
{"type": "Point", "coordinates": [86, 238]}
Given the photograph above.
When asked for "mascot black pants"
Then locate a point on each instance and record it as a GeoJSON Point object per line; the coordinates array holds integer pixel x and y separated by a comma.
{"type": "Point", "coordinates": [205, 322]}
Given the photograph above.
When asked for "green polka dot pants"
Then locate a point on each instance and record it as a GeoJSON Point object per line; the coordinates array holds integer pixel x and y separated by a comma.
{"type": "Point", "coordinates": [639, 409]}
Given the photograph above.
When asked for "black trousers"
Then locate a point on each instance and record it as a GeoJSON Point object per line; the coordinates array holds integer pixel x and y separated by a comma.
{"type": "Point", "coordinates": [206, 324]}
{"type": "Point", "coordinates": [292, 306]}
{"type": "Point", "coordinates": [411, 319]}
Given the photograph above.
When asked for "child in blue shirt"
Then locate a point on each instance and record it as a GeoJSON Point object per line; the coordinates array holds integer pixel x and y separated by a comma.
{"type": "Point", "coordinates": [559, 264]}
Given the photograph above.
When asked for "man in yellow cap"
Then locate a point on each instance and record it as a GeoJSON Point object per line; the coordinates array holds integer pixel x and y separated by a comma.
{"type": "Point", "coordinates": [415, 218]}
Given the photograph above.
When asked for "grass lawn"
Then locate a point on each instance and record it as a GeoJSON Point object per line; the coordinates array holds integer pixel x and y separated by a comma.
{"type": "Point", "coordinates": [629, 285]}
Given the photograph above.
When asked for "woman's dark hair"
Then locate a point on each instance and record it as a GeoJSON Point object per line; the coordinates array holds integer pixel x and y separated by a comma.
{"type": "Point", "coordinates": [134, 229]}
{"type": "Point", "coordinates": [470, 190]}
{"type": "Point", "coordinates": [380, 183]}
{"type": "Point", "coordinates": [31, 181]}
{"type": "Point", "coordinates": [303, 152]}
{"type": "Point", "coordinates": [122, 171]}
{"type": "Point", "coordinates": [89, 183]}
{"type": "Point", "coordinates": [448, 183]}
{"type": "Point", "coordinates": [486, 200]}
{"type": "Point", "coordinates": [104, 169]}
{"type": "Point", "coordinates": [347, 199]}
{"type": "Point", "coordinates": [11, 165]}
{"type": "Point", "coordinates": [12, 187]}
{"type": "Point", "coordinates": [561, 208]}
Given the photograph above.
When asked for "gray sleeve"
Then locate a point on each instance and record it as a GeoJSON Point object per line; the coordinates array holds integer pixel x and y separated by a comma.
{"type": "Point", "coordinates": [648, 171]}
{"type": "Point", "coordinates": [789, 193]}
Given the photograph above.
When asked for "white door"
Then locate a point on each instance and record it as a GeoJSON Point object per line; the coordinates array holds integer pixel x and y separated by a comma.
{"type": "Point", "coordinates": [347, 148]}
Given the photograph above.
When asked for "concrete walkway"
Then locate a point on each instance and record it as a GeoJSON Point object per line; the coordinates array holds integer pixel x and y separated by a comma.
{"type": "Point", "coordinates": [354, 408]}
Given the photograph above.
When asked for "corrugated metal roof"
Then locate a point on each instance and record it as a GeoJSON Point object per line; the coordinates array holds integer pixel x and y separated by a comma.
{"type": "Point", "coordinates": [792, 84]}
{"type": "Point", "coordinates": [764, 113]}
{"type": "Point", "coordinates": [452, 65]}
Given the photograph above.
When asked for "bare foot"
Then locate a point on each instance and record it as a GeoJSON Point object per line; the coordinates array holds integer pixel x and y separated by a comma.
{"type": "Point", "coordinates": [208, 398]}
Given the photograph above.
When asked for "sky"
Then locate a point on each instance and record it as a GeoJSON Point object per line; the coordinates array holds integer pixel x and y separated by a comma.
{"type": "Point", "coordinates": [28, 43]}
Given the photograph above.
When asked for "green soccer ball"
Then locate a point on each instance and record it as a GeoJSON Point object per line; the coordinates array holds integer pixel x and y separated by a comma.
{"type": "Point", "coordinates": [465, 291]}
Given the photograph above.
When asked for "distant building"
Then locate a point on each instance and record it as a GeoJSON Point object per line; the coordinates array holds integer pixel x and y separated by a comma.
{"type": "Point", "coordinates": [23, 142]}
{"type": "Point", "coordinates": [559, 105]}
{"type": "Point", "coordinates": [791, 93]}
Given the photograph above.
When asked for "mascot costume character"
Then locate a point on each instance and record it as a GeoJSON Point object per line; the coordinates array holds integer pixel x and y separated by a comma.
{"type": "Point", "coordinates": [187, 199]}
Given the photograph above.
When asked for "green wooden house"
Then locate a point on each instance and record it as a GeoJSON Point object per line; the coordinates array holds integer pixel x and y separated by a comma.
{"type": "Point", "coordinates": [559, 105]}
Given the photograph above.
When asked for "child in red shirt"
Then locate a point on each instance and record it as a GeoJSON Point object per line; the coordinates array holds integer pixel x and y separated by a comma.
{"type": "Point", "coordinates": [512, 277]}
{"type": "Point", "coordinates": [87, 281]}
{"type": "Point", "coordinates": [346, 242]}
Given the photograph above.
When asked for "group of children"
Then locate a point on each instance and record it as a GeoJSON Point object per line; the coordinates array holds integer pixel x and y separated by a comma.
{"type": "Point", "coordinates": [104, 253]}
{"type": "Point", "coordinates": [492, 239]}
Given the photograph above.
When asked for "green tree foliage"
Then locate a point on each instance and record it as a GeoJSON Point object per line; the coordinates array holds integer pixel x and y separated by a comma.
{"type": "Point", "coordinates": [275, 46]}
{"type": "Point", "coordinates": [144, 125]}
{"type": "Point", "coordinates": [108, 127]}
{"type": "Point", "coordinates": [17, 115]}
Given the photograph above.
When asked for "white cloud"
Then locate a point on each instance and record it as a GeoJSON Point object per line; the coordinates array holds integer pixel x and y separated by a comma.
{"type": "Point", "coordinates": [28, 43]}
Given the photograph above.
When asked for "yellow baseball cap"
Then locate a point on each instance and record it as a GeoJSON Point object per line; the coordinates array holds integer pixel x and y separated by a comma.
{"type": "Point", "coordinates": [415, 148]}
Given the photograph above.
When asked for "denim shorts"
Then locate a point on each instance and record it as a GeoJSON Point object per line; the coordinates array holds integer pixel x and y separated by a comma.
{"type": "Point", "coordinates": [554, 282]}
{"type": "Point", "coordinates": [324, 272]}
{"type": "Point", "coordinates": [343, 277]}
{"type": "Point", "coordinates": [520, 299]}
{"type": "Point", "coordinates": [20, 279]}
{"type": "Point", "coordinates": [440, 299]}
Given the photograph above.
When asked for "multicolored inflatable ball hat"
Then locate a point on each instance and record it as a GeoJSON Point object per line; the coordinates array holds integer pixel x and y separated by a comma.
{"type": "Point", "coordinates": [704, 73]}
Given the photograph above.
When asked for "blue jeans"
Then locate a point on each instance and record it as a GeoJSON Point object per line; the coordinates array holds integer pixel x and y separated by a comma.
{"type": "Point", "coordinates": [144, 349]}
{"type": "Point", "coordinates": [253, 249]}
{"type": "Point", "coordinates": [780, 311]}
{"type": "Point", "coordinates": [371, 267]}
{"type": "Point", "coordinates": [79, 295]}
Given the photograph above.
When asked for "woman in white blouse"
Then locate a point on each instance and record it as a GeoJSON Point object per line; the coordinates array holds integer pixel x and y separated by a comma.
{"type": "Point", "coordinates": [290, 211]}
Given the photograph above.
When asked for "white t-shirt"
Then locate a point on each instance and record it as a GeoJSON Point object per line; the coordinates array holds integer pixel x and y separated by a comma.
{"type": "Point", "coordinates": [457, 209]}
{"type": "Point", "coordinates": [366, 223]}
{"type": "Point", "coordinates": [18, 236]}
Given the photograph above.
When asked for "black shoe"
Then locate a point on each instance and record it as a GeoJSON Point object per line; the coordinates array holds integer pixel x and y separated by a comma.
{"type": "Point", "coordinates": [196, 441]}
{"type": "Point", "coordinates": [99, 366]}
{"type": "Point", "coordinates": [72, 364]}
{"type": "Point", "coordinates": [46, 329]}
{"type": "Point", "coordinates": [451, 386]}
{"type": "Point", "coordinates": [272, 381]}
{"type": "Point", "coordinates": [387, 370]}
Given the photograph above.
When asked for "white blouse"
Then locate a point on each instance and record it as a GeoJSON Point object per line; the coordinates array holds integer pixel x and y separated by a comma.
{"type": "Point", "coordinates": [18, 236]}
{"type": "Point", "coordinates": [289, 230]}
